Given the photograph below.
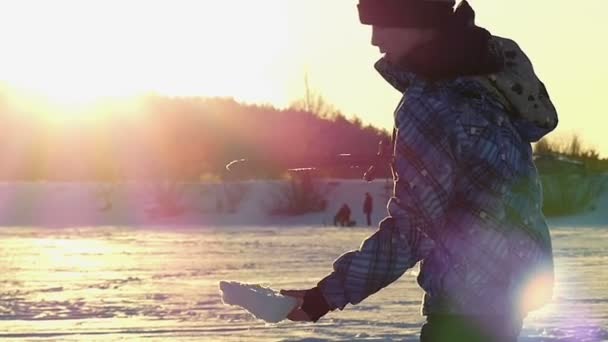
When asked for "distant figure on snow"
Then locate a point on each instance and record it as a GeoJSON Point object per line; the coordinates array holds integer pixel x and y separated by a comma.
{"type": "Point", "coordinates": [467, 197]}
{"type": "Point", "coordinates": [368, 206]}
{"type": "Point", "coordinates": [342, 218]}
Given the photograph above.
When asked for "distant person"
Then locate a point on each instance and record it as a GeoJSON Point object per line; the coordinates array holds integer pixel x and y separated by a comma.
{"type": "Point", "coordinates": [467, 198]}
{"type": "Point", "coordinates": [342, 217]}
{"type": "Point", "coordinates": [368, 206]}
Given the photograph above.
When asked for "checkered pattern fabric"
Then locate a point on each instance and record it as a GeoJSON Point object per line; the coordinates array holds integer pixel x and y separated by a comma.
{"type": "Point", "coordinates": [466, 205]}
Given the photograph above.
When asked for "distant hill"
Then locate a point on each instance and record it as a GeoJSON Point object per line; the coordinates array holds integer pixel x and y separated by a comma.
{"type": "Point", "coordinates": [158, 137]}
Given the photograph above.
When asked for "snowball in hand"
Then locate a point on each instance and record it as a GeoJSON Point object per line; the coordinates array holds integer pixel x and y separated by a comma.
{"type": "Point", "coordinates": [262, 302]}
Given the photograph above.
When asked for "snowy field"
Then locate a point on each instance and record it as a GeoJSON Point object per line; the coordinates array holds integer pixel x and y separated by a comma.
{"type": "Point", "coordinates": [89, 284]}
{"type": "Point", "coordinates": [160, 282]}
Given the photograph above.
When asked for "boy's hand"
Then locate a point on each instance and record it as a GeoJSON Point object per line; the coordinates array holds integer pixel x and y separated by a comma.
{"type": "Point", "coordinates": [297, 314]}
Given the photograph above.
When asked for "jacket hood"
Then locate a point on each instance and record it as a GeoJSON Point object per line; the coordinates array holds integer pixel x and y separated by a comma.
{"type": "Point", "coordinates": [520, 91]}
{"type": "Point", "coordinates": [498, 64]}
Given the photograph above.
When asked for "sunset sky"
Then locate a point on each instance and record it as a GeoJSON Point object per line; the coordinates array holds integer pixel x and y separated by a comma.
{"type": "Point", "coordinates": [259, 51]}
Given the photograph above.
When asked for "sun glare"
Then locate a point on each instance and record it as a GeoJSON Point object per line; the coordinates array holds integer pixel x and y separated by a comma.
{"type": "Point", "coordinates": [75, 53]}
{"type": "Point", "coordinates": [68, 253]}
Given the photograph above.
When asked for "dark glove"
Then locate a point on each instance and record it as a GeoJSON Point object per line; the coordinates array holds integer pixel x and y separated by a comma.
{"type": "Point", "coordinates": [314, 304]}
{"type": "Point", "coordinates": [311, 305]}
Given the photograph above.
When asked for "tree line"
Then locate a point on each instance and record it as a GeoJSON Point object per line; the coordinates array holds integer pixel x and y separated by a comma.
{"type": "Point", "coordinates": [178, 138]}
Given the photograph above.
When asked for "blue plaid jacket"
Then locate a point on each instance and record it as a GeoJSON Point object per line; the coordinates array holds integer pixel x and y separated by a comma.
{"type": "Point", "coordinates": [466, 205]}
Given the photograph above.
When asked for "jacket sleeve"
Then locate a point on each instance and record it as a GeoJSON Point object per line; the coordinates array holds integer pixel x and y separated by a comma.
{"type": "Point", "coordinates": [424, 179]}
{"type": "Point", "coordinates": [381, 259]}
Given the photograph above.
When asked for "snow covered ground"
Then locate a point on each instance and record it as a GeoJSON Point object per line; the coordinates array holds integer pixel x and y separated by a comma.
{"type": "Point", "coordinates": [157, 277]}
{"type": "Point", "coordinates": [57, 204]}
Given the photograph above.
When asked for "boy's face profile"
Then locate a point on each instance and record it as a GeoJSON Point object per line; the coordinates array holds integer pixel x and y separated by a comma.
{"type": "Point", "coordinates": [397, 42]}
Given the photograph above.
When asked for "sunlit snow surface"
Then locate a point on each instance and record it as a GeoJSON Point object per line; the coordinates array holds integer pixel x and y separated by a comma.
{"type": "Point", "coordinates": [127, 283]}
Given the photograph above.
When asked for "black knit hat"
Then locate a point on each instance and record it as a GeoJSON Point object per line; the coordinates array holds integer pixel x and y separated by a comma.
{"type": "Point", "coordinates": [407, 13]}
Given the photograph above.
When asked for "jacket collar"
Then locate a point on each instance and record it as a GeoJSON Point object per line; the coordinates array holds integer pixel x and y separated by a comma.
{"type": "Point", "coordinates": [400, 79]}
{"type": "Point", "coordinates": [464, 52]}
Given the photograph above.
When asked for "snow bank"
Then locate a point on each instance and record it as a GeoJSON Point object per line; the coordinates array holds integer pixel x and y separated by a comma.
{"type": "Point", "coordinates": [207, 204]}
{"type": "Point", "coordinates": [200, 204]}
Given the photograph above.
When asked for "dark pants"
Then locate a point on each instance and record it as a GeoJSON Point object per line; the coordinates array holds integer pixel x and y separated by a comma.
{"type": "Point", "coordinates": [447, 328]}
{"type": "Point", "coordinates": [368, 216]}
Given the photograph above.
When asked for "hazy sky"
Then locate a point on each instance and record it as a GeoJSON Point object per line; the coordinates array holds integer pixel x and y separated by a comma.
{"type": "Point", "coordinates": [259, 51]}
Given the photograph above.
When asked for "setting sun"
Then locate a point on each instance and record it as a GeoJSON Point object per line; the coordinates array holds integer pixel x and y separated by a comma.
{"type": "Point", "coordinates": [74, 52]}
